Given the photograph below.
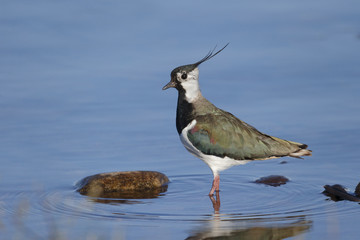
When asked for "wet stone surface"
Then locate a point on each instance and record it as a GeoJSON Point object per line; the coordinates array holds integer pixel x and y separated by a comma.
{"type": "Point", "coordinates": [130, 185]}
{"type": "Point", "coordinates": [273, 180]}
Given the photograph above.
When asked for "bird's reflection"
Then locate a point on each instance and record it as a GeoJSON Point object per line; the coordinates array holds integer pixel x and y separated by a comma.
{"type": "Point", "coordinates": [239, 230]}
{"type": "Point", "coordinates": [224, 226]}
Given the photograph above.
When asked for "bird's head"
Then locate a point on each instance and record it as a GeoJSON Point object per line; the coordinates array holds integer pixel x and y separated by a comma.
{"type": "Point", "coordinates": [185, 78]}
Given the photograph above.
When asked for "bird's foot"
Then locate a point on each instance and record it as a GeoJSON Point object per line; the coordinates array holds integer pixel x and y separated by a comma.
{"type": "Point", "coordinates": [215, 185]}
{"type": "Point", "coordinates": [215, 201]}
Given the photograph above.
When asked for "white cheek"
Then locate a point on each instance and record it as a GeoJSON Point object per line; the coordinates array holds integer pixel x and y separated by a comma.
{"type": "Point", "coordinates": [191, 86]}
{"type": "Point", "coordinates": [192, 90]}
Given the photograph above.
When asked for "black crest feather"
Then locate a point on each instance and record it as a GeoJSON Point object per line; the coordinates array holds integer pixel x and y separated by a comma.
{"type": "Point", "coordinates": [209, 55]}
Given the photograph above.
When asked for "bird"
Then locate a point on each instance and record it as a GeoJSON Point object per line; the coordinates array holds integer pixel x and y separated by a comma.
{"type": "Point", "coordinates": [216, 136]}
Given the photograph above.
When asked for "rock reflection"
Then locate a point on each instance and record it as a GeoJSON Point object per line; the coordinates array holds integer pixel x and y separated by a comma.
{"type": "Point", "coordinates": [250, 230]}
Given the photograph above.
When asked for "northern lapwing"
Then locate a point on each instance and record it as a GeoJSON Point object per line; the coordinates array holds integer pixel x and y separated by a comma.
{"type": "Point", "coordinates": [217, 137]}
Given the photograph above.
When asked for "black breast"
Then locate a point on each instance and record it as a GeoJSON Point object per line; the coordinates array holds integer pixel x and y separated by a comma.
{"type": "Point", "coordinates": [184, 112]}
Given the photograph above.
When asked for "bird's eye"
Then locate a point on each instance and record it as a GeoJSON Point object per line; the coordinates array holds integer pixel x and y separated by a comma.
{"type": "Point", "coordinates": [184, 76]}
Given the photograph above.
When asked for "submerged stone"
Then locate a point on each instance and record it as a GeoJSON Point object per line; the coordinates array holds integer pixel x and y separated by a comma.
{"type": "Point", "coordinates": [131, 184]}
{"type": "Point", "coordinates": [273, 180]}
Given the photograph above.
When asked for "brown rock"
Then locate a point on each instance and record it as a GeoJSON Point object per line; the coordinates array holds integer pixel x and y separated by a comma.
{"type": "Point", "coordinates": [132, 184]}
{"type": "Point", "coordinates": [273, 180]}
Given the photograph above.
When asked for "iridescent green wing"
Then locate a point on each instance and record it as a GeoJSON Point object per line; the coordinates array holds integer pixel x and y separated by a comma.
{"type": "Point", "coordinates": [222, 134]}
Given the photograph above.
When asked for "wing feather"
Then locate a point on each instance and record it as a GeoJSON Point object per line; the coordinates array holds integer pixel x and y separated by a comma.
{"type": "Point", "coordinates": [222, 134]}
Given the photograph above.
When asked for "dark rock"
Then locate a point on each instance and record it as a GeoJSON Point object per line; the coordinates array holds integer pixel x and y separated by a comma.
{"type": "Point", "coordinates": [357, 190]}
{"type": "Point", "coordinates": [272, 180]}
{"type": "Point", "coordinates": [337, 193]}
{"type": "Point", "coordinates": [129, 185]}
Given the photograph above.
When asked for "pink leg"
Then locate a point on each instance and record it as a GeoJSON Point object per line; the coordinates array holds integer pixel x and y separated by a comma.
{"type": "Point", "coordinates": [215, 185]}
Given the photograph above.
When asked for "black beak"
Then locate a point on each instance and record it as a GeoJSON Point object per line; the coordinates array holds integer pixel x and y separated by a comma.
{"type": "Point", "coordinates": [171, 84]}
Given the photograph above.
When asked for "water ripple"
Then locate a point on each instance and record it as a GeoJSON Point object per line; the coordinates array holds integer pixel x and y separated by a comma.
{"type": "Point", "coordinates": [187, 200]}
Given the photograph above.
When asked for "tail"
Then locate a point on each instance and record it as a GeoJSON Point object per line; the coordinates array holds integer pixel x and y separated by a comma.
{"type": "Point", "coordinates": [302, 150]}
{"type": "Point", "coordinates": [294, 149]}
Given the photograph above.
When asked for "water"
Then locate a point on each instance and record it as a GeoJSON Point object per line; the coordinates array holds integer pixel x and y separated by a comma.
{"type": "Point", "coordinates": [81, 94]}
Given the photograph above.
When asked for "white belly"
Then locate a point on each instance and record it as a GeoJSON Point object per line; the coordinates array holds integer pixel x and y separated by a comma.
{"type": "Point", "coordinates": [217, 164]}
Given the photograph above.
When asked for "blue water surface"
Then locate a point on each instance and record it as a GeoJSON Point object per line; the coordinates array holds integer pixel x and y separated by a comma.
{"type": "Point", "coordinates": [80, 94]}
